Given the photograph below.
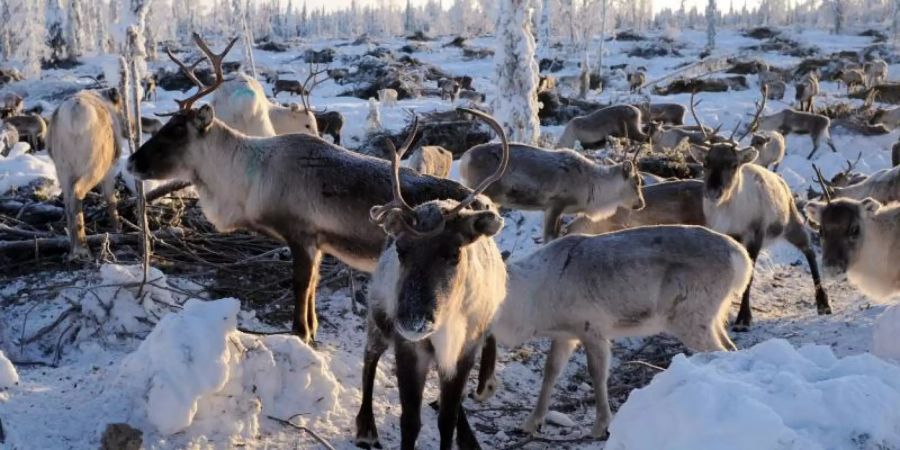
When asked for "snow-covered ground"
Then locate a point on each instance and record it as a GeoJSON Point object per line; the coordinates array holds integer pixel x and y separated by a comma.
{"type": "Point", "coordinates": [170, 361]}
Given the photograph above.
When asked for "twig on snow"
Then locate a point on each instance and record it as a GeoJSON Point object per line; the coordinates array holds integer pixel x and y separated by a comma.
{"type": "Point", "coordinates": [302, 428]}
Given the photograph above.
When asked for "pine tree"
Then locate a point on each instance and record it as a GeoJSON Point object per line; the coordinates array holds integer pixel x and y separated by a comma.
{"type": "Point", "coordinates": [410, 24]}
{"type": "Point", "coordinates": [544, 44]}
{"type": "Point", "coordinates": [711, 25]}
{"type": "Point", "coordinates": [516, 105]}
{"type": "Point", "coordinates": [28, 37]}
{"type": "Point", "coordinates": [6, 49]}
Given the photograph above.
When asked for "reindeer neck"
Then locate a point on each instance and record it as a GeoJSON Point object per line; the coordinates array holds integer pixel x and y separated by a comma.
{"type": "Point", "coordinates": [228, 157]}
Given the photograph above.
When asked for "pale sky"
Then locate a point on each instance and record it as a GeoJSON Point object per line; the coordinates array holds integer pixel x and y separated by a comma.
{"type": "Point", "coordinates": [657, 4]}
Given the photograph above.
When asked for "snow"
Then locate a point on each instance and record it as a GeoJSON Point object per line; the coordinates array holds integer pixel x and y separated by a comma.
{"type": "Point", "coordinates": [886, 339]}
{"type": "Point", "coordinates": [8, 375]}
{"type": "Point", "coordinates": [220, 396]}
{"type": "Point", "coordinates": [770, 396]}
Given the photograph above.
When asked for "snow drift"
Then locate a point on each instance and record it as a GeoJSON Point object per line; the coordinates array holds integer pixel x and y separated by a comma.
{"type": "Point", "coordinates": [8, 375]}
{"type": "Point", "coordinates": [771, 396]}
{"type": "Point", "coordinates": [886, 338]}
{"type": "Point", "coordinates": [196, 373]}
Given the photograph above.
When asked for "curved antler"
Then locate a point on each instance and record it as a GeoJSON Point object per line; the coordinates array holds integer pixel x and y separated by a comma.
{"type": "Point", "coordinates": [381, 214]}
{"type": "Point", "coordinates": [696, 118]}
{"type": "Point", "coordinates": [825, 191]}
{"type": "Point", "coordinates": [215, 60]}
{"type": "Point", "coordinates": [760, 106]}
{"type": "Point", "coordinates": [501, 168]}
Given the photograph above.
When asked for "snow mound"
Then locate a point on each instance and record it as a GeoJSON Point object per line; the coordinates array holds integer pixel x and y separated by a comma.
{"type": "Point", "coordinates": [196, 373]}
{"type": "Point", "coordinates": [886, 339]}
{"type": "Point", "coordinates": [770, 396]}
{"type": "Point", "coordinates": [8, 375]}
{"type": "Point", "coordinates": [21, 169]}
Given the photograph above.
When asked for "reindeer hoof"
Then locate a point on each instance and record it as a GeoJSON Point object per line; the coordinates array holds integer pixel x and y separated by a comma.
{"type": "Point", "coordinates": [487, 391]}
{"type": "Point", "coordinates": [824, 310]}
{"type": "Point", "coordinates": [532, 425]}
{"type": "Point", "coordinates": [740, 327]}
{"type": "Point", "coordinates": [366, 444]}
{"type": "Point", "coordinates": [600, 432]}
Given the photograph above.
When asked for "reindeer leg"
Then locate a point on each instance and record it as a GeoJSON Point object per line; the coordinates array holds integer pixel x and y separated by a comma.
{"type": "Point", "coordinates": [78, 249]}
{"type": "Point", "coordinates": [108, 186]}
{"type": "Point", "coordinates": [598, 355]}
{"type": "Point", "coordinates": [304, 254]}
{"type": "Point", "coordinates": [452, 389]}
{"type": "Point", "coordinates": [487, 381]}
{"type": "Point", "coordinates": [412, 369]}
{"type": "Point", "coordinates": [815, 141]}
{"type": "Point", "coordinates": [552, 218]}
{"type": "Point", "coordinates": [797, 236]}
{"type": "Point", "coordinates": [376, 344]}
{"type": "Point", "coordinates": [745, 316]}
{"type": "Point", "coordinates": [560, 351]}
{"type": "Point", "coordinates": [312, 322]}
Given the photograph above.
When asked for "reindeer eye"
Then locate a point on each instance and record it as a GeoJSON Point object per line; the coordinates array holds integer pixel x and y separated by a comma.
{"type": "Point", "coordinates": [854, 231]}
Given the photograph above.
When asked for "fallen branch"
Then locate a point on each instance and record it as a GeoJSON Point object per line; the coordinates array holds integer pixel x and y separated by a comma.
{"type": "Point", "coordinates": [302, 428]}
{"type": "Point", "coordinates": [165, 190]}
{"type": "Point", "coordinates": [46, 329]}
{"type": "Point", "coordinates": [532, 439]}
{"type": "Point", "coordinates": [645, 364]}
{"type": "Point", "coordinates": [24, 233]}
{"type": "Point", "coordinates": [61, 243]}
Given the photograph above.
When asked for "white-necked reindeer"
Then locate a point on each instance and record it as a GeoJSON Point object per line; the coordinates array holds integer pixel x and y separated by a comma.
{"type": "Point", "coordinates": [637, 282]}
{"type": "Point", "coordinates": [242, 180]}
{"type": "Point", "coordinates": [882, 186]}
{"type": "Point", "coordinates": [860, 239]}
{"type": "Point", "coordinates": [84, 144]}
{"type": "Point", "coordinates": [754, 206]}
{"type": "Point", "coordinates": [433, 296]}
{"type": "Point", "coordinates": [554, 181]}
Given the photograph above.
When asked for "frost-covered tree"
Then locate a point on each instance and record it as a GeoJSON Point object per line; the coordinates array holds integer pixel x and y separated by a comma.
{"type": "Point", "coordinates": [838, 10]}
{"type": "Point", "coordinates": [895, 25]}
{"type": "Point", "coordinates": [55, 23]}
{"type": "Point", "coordinates": [604, 7]}
{"type": "Point", "coordinates": [76, 29]}
{"type": "Point", "coordinates": [6, 49]}
{"type": "Point", "coordinates": [28, 35]}
{"type": "Point", "coordinates": [711, 25]}
{"type": "Point", "coordinates": [515, 104]}
{"type": "Point", "coordinates": [132, 14]}
{"type": "Point", "coordinates": [409, 24]}
{"type": "Point", "coordinates": [544, 29]}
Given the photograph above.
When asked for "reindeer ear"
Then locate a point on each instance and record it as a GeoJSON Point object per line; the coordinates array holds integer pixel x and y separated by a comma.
{"type": "Point", "coordinates": [295, 107]}
{"type": "Point", "coordinates": [204, 117]}
{"type": "Point", "coordinates": [698, 153]}
{"type": "Point", "coordinates": [747, 155]}
{"type": "Point", "coordinates": [814, 212]}
{"type": "Point", "coordinates": [871, 205]}
{"type": "Point", "coordinates": [482, 223]}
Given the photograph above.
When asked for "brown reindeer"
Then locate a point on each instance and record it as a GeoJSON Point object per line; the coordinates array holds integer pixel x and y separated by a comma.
{"type": "Point", "coordinates": [242, 183]}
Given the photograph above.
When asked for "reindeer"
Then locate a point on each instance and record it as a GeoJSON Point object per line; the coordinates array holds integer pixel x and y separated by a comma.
{"type": "Point", "coordinates": [32, 129]}
{"type": "Point", "coordinates": [791, 121]}
{"type": "Point", "coordinates": [241, 103]}
{"type": "Point", "coordinates": [636, 81]}
{"type": "Point", "coordinates": [664, 113]}
{"type": "Point", "coordinates": [150, 125]}
{"type": "Point", "coordinates": [449, 90]}
{"type": "Point", "coordinates": [860, 239]}
{"type": "Point", "coordinates": [754, 206]}
{"type": "Point", "coordinates": [388, 97]}
{"type": "Point", "coordinates": [770, 146]}
{"type": "Point", "coordinates": [293, 119]}
{"type": "Point", "coordinates": [876, 72]}
{"type": "Point", "coordinates": [330, 123]}
{"type": "Point", "coordinates": [297, 188]}
{"type": "Point", "coordinates": [667, 138]}
{"type": "Point", "coordinates": [852, 78]}
{"type": "Point", "coordinates": [11, 105]}
{"type": "Point", "coordinates": [616, 120]}
{"type": "Point", "coordinates": [667, 203]}
{"type": "Point", "coordinates": [637, 282]}
{"type": "Point", "coordinates": [84, 145]}
{"type": "Point", "coordinates": [774, 89]}
{"type": "Point", "coordinates": [9, 137]}
{"type": "Point", "coordinates": [434, 295]}
{"type": "Point", "coordinates": [806, 91]}
{"type": "Point", "coordinates": [149, 85]}
{"type": "Point", "coordinates": [890, 118]}
{"type": "Point", "coordinates": [431, 160]}
{"type": "Point", "coordinates": [554, 181]}
{"type": "Point", "coordinates": [338, 75]}
{"type": "Point", "coordinates": [882, 186]}
{"type": "Point", "coordinates": [290, 86]}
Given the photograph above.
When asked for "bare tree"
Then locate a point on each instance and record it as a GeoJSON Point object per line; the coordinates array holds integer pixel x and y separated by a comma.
{"type": "Point", "coordinates": [711, 25]}
{"type": "Point", "coordinates": [838, 9]}
{"type": "Point", "coordinates": [516, 103]}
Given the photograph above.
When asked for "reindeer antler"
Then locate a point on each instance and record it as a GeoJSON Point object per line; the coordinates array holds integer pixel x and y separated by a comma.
{"type": "Point", "coordinates": [760, 107]}
{"type": "Point", "coordinates": [696, 118]}
{"type": "Point", "coordinates": [825, 191]}
{"type": "Point", "coordinates": [215, 60]}
{"type": "Point", "coordinates": [380, 214]}
{"type": "Point", "coordinates": [313, 76]}
{"type": "Point", "coordinates": [501, 168]}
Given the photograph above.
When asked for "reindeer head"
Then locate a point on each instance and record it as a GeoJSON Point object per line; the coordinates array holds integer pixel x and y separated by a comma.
{"type": "Point", "coordinates": [721, 166]}
{"type": "Point", "coordinates": [165, 155]}
{"type": "Point", "coordinates": [434, 244]}
{"type": "Point", "coordinates": [877, 116]}
{"type": "Point", "coordinates": [841, 226]}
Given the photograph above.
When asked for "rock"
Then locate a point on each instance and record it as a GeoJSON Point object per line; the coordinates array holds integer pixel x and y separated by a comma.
{"type": "Point", "coordinates": [121, 436]}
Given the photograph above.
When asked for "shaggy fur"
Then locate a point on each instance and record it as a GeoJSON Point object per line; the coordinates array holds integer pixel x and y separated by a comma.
{"type": "Point", "coordinates": [431, 160]}
{"type": "Point", "coordinates": [554, 181]}
{"type": "Point", "coordinates": [617, 120]}
{"type": "Point", "coordinates": [292, 119]}
{"type": "Point", "coordinates": [638, 282]}
{"type": "Point", "coordinates": [883, 186]}
{"type": "Point", "coordinates": [770, 146]}
{"type": "Point", "coordinates": [242, 104]}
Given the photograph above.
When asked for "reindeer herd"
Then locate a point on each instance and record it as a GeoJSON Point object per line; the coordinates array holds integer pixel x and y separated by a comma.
{"type": "Point", "coordinates": [642, 256]}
